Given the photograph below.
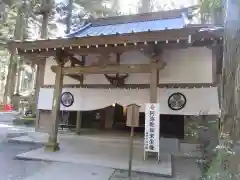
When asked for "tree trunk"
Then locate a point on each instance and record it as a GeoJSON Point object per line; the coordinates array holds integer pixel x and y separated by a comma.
{"type": "Point", "coordinates": [145, 6]}
{"type": "Point", "coordinates": [230, 93]}
{"type": "Point", "coordinates": [69, 16]}
{"type": "Point", "coordinates": [40, 69]}
{"type": "Point", "coordinates": [115, 8]}
{"type": "Point", "coordinates": [2, 11]}
{"type": "Point", "coordinates": [44, 31]}
{"type": "Point", "coordinates": [12, 68]}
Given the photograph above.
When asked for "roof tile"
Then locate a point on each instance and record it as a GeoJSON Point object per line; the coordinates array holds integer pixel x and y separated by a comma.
{"type": "Point", "coordinates": [125, 28]}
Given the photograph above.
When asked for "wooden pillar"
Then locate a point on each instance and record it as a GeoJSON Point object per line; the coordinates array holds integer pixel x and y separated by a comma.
{"type": "Point", "coordinates": [153, 82]}
{"type": "Point", "coordinates": [38, 84]}
{"type": "Point", "coordinates": [153, 86]}
{"type": "Point", "coordinates": [109, 117]}
{"type": "Point", "coordinates": [79, 122]}
{"type": "Point", "coordinates": [52, 144]}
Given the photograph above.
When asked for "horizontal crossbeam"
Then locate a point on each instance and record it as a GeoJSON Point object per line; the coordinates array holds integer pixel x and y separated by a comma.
{"type": "Point", "coordinates": [109, 69]}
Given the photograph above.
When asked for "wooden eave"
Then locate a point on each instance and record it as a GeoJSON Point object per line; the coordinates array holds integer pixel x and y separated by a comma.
{"type": "Point", "coordinates": [164, 36]}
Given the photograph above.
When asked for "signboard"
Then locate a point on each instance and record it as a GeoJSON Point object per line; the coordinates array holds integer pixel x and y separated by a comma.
{"type": "Point", "coordinates": [152, 126]}
{"type": "Point", "coordinates": [133, 115]}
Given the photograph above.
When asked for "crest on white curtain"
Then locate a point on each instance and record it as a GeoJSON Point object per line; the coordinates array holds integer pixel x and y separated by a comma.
{"type": "Point", "coordinates": [177, 101]}
{"type": "Point", "coordinates": [67, 99]}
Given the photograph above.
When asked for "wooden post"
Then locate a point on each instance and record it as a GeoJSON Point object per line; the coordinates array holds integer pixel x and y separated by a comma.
{"type": "Point", "coordinates": [153, 82]}
{"type": "Point", "coordinates": [153, 88]}
{"type": "Point", "coordinates": [109, 117]}
{"type": "Point", "coordinates": [79, 122]}
{"type": "Point", "coordinates": [52, 144]}
{"type": "Point", "coordinates": [130, 153]}
{"type": "Point", "coordinates": [132, 121]}
{"type": "Point", "coordinates": [38, 84]}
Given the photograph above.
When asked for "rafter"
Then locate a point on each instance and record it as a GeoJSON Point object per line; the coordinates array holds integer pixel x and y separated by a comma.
{"type": "Point", "coordinates": [170, 35]}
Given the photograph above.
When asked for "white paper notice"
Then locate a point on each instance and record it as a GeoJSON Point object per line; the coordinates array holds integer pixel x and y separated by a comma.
{"type": "Point", "coordinates": [152, 126]}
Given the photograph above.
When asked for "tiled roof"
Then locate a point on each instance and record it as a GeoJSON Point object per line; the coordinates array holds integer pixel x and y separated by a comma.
{"type": "Point", "coordinates": [130, 27]}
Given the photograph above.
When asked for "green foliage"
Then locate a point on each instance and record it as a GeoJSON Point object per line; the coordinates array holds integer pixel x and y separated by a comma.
{"type": "Point", "coordinates": [209, 5]}
{"type": "Point", "coordinates": [7, 27]}
{"type": "Point", "coordinates": [205, 130]}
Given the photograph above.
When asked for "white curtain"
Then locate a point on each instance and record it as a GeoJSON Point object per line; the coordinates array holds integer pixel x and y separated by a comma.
{"type": "Point", "coordinates": [91, 99]}
{"type": "Point", "coordinates": [199, 100]}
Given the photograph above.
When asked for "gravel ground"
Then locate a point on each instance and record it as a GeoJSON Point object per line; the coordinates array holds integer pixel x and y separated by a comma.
{"type": "Point", "coordinates": [13, 169]}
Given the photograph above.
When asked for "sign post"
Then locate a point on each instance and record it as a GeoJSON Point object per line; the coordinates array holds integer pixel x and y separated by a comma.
{"type": "Point", "coordinates": [152, 132]}
{"type": "Point", "coordinates": [132, 121]}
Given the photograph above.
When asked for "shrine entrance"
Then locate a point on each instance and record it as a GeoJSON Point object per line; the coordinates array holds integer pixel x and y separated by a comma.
{"type": "Point", "coordinates": [113, 119]}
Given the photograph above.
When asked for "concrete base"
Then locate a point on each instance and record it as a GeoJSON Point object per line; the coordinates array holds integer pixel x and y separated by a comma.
{"type": "Point", "coordinates": [52, 147]}
{"type": "Point", "coordinates": [110, 153]}
{"type": "Point", "coordinates": [172, 146]}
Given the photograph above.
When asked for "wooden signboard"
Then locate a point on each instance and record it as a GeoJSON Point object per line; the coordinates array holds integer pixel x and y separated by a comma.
{"type": "Point", "coordinates": [132, 121]}
{"type": "Point", "coordinates": [133, 115]}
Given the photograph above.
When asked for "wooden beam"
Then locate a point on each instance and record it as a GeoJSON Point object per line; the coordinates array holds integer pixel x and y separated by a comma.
{"type": "Point", "coordinates": [153, 83]}
{"type": "Point", "coordinates": [110, 69]}
{"type": "Point", "coordinates": [75, 61]}
{"type": "Point", "coordinates": [214, 65]}
{"type": "Point", "coordinates": [170, 35]}
{"type": "Point", "coordinates": [35, 55]}
{"type": "Point", "coordinates": [136, 86]}
{"type": "Point", "coordinates": [76, 77]}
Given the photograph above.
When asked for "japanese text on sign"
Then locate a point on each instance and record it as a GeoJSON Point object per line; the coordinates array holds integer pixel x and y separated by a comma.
{"type": "Point", "coordinates": [152, 126]}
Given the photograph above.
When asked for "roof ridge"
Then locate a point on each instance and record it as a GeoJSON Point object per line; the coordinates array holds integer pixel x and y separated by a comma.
{"type": "Point", "coordinates": [117, 23]}
{"type": "Point", "coordinates": [78, 30]}
{"type": "Point", "coordinates": [160, 15]}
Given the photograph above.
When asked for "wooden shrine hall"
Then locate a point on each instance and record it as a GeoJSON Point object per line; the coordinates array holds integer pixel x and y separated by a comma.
{"type": "Point", "coordinates": [130, 52]}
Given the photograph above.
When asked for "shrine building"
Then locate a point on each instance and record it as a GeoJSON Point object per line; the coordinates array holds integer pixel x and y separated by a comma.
{"type": "Point", "coordinates": [88, 77]}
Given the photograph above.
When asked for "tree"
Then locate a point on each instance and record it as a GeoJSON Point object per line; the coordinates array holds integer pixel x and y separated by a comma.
{"type": "Point", "coordinates": [208, 5]}
{"type": "Point", "coordinates": [211, 11]}
{"type": "Point", "coordinates": [115, 6]}
{"type": "Point", "coordinates": [69, 16]}
{"type": "Point", "coordinates": [75, 13]}
{"type": "Point", "coordinates": [45, 11]}
{"type": "Point", "coordinates": [22, 15]}
{"type": "Point", "coordinates": [225, 166]}
{"type": "Point", "coordinates": [145, 6]}
{"type": "Point", "coordinates": [18, 35]}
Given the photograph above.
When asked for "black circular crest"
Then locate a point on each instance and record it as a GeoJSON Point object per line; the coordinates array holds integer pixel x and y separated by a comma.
{"type": "Point", "coordinates": [67, 99]}
{"type": "Point", "coordinates": [177, 101]}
